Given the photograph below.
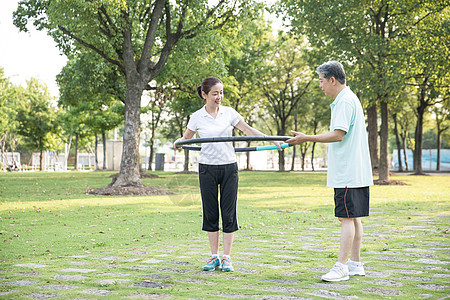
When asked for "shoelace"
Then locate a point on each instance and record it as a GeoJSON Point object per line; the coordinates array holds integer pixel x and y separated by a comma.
{"type": "Point", "coordinates": [212, 259]}
{"type": "Point", "coordinates": [226, 260]}
{"type": "Point", "coordinates": [336, 268]}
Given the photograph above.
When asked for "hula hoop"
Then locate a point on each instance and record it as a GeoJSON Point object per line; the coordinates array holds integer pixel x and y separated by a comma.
{"type": "Point", "coordinates": [246, 149]}
{"type": "Point", "coordinates": [236, 139]}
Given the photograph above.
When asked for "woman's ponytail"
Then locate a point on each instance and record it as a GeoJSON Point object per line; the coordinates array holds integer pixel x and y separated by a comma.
{"type": "Point", "coordinates": [199, 91]}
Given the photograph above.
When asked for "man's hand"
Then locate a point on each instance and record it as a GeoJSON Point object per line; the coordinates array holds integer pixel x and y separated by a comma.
{"type": "Point", "coordinates": [299, 138]}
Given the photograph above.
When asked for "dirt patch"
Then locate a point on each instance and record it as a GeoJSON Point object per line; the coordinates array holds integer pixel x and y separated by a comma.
{"type": "Point", "coordinates": [128, 191]}
{"type": "Point", "coordinates": [143, 175]}
{"type": "Point", "coordinates": [388, 182]}
{"type": "Point", "coordinates": [111, 190]}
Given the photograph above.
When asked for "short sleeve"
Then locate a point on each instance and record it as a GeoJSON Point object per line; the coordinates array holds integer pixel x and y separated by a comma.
{"type": "Point", "coordinates": [192, 124]}
{"type": "Point", "coordinates": [235, 117]}
{"type": "Point", "coordinates": [343, 116]}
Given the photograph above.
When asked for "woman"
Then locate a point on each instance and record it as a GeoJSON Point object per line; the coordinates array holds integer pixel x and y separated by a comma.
{"type": "Point", "coordinates": [217, 167]}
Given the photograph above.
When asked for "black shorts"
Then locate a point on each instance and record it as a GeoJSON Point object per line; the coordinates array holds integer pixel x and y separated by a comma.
{"type": "Point", "coordinates": [211, 177]}
{"type": "Point", "coordinates": [351, 202]}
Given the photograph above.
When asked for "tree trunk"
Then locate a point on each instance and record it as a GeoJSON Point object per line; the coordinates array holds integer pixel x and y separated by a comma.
{"type": "Point", "coordinates": [152, 149]}
{"type": "Point", "coordinates": [41, 156]}
{"type": "Point", "coordinates": [281, 132]}
{"type": "Point", "coordinates": [372, 128]}
{"type": "Point", "coordinates": [150, 158]}
{"type": "Point", "coordinates": [76, 151]}
{"type": "Point", "coordinates": [403, 136]}
{"type": "Point", "coordinates": [281, 161]}
{"type": "Point", "coordinates": [104, 150]}
{"type": "Point", "coordinates": [439, 137]}
{"type": "Point", "coordinates": [67, 152]}
{"type": "Point", "coordinates": [397, 140]}
{"type": "Point", "coordinates": [248, 156]}
{"type": "Point", "coordinates": [96, 152]}
{"type": "Point", "coordinates": [186, 160]}
{"type": "Point", "coordinates": [438, 162]}
{"type": "Point", "coordinates": [129, 166]}
{"type": "Point", "coordinates": [313, 145]}
{"type": "Point", "coordinates": [295, 129]}
{"type": "Point", "coordinates": [3, 160]}
{"type": "Point", "coordinates": [303, 152]}
{"type": "Point", "coordinates": [384, 141]}
{"type": "Point", "coordinates": [418, 137]}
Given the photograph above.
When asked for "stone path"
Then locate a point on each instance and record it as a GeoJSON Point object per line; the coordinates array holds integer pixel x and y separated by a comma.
{"type": "Point", "coordinates": [284, 267]}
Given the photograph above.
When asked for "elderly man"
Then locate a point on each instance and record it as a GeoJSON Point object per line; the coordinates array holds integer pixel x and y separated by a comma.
{"type": "Point", "coordinates": [349, 168]}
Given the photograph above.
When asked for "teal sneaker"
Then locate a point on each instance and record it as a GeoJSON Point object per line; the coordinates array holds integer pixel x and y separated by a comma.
{"type": "Point", "coordinates": [212, 264]}
{"type": "Point", "coordinates": [226, 265]}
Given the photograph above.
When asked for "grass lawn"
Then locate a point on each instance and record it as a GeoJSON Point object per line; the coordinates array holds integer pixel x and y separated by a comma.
{"type": "Point", "coordinates": [56, 241]}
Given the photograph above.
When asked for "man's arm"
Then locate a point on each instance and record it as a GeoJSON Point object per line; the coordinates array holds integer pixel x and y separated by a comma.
{"type": "Point", "coordinates": [329, 137]}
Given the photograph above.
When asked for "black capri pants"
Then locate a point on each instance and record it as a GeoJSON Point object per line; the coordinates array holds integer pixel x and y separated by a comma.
{"type": "Point", "coordinates": [210, 178]}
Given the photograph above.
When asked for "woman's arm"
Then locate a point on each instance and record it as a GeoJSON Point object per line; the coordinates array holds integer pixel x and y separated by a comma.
{"type": "Point", "coordinates": [247, 129]}
{"type": "Point", "coordinates": [188, 134]}
{"type": "Point", "coordinates": [250, 131]}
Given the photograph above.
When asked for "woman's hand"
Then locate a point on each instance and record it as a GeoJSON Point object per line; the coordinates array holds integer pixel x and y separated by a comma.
{"type": "Point", "coordinates": [175, 147]}
{"type": "Point", "coordinates": [189, 134]}
{"type": "Point", "coordinates": [278, 144]}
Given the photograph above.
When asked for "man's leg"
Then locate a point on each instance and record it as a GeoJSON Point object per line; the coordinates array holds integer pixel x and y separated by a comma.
{"type": "Point", "coordinates": [347, 237]}
{"type": "Point", "coordinates": [357, 240]}
{"type": "Point", "coordinates": [340, 270]}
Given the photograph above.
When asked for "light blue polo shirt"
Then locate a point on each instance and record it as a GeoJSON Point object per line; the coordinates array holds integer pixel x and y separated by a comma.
{"type": "Point", "coordinates": [349, 160]}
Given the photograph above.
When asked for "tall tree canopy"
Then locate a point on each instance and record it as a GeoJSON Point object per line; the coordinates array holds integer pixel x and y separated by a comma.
{"type": "Point", "coordinates": [367, 37]}
{"type": "Point", "coordinates": [137, 36]}
{"type": "Point", "coordinates": [10, 99]}
{"type": "Point", "coordinates": [36, 117]}
{"type": "Point", "coordinates": [284, 83]}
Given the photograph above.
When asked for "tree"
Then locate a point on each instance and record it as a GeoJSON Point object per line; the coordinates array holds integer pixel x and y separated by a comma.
{"type": "Point", "coordinates": [246, 57]}
{"type": "Point", "coordinates": [367, 37]}
{"type": "Point", "coordinates": [10, 98]}
{"type": "Point", "coordinates": [316, 114]}
{"type": "Point", "coordinates": [442, 124]}
{"type": "Point", "coordinates": [92, 93]}
{"type": "Point", "coordinates": [428, 71]}
{"type": "Point", "coordinates": [35, 116]}
{"type": "Point", "coordinates": [181, 106]}
{"type": "Point", "coordinates": [405, 119]}
{"type": "Point", "coordinates": [184, 78]}
{"type": "Point", "coordinates": [284, 83]}
{"type": "Point", "coordinates": [156, 107]}
{"type": "Point", "coordinates": [402, 116]}
{"type": "Point", "coordinates": [136, 36]}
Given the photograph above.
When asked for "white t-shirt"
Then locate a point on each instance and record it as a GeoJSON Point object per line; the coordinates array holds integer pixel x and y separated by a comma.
{"type": "Point", "coordinates": [206, 126]}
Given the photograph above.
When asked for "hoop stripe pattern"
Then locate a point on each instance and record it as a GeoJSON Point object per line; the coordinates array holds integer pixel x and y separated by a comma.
{"type": "Point", "coordinates": [235, 139]}
{"type": "Point", "coordinates": [246, 149]}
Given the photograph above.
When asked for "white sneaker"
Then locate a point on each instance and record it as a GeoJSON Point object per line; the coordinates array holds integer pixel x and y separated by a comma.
{"type": "Point", "coordinates": [355, 268]}
{"type": "Point", "coordinates": [339, 272]}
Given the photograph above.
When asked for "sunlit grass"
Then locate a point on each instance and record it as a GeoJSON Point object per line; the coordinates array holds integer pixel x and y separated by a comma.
{"type": "Point", "coordinates": [44, 216]}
